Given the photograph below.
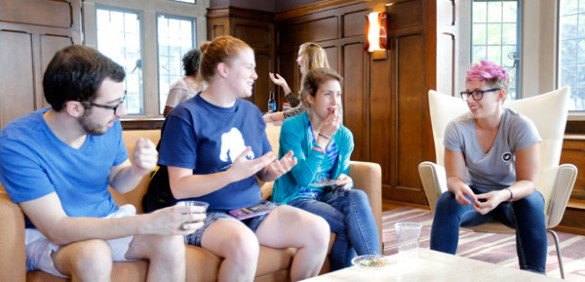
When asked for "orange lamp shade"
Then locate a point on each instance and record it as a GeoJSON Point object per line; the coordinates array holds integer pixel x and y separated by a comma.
{"type": "Point", "coordinates": [376, 31]}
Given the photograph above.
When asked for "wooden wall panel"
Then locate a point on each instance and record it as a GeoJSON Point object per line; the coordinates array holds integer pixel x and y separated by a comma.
{"type": "Point", "coordinates": [355, 98]}
{"type": "Point", "coordinates": [384, 100]}
{"type": "Point", "coordinates": [313, 30]}
{"type": "Point", "coordinates": [353, 23]}
{"type": "Point", "coordinates": [574, 153]}
{"type": "Point", "coordinates": [49, 45]}
{"type": "Point", "coordinates": [31, 32]}
{"type": "Point", "coordinates": [16, 74]}
{"type": "Point", "coordinates": [38, 12]}
{"type": "Point", "coordinates": [409, 108]}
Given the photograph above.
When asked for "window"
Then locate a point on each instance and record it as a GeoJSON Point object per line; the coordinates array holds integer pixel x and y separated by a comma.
{"type": "Point", "coordinates": [119, 37]}
{"type": "Point", "coordinates": [175, 38]}
{"type": "Point", "coordinates": [128, 32]}
{"type": "Point", "coordinates": [571, 51]}
{"type": "Point", "coordinates": [496, 37]}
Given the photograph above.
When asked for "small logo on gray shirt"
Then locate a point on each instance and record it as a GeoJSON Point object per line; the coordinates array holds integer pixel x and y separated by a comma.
{"type": "Point", "coordinates": [506, 157]}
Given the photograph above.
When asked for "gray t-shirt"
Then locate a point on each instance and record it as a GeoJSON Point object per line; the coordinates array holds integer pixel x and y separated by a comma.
{"type": "Point", "coordinates": [495, 169]}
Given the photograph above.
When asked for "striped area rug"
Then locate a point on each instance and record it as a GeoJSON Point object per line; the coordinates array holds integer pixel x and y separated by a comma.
{"type": "Point", "coordinates": [490, 247]}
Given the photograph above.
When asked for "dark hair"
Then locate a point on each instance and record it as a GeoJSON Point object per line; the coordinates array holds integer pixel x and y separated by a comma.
{"type": "Point", "coordinates": [76, 73]}
{"type": "Point", "coordinates": [221, 50]}
{"type": "Point", "coordinates": [314, 78]}
{"type": "Point", "coordinates": [191, 62]}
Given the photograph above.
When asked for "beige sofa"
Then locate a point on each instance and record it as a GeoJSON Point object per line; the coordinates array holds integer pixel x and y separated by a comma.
{"type": "Point", "coordinates": [273, 264]}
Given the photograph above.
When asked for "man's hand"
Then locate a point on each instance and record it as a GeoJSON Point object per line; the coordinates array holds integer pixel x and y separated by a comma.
{"type": "Point", "coordinates": [144, 156]}
{"type": "Point", "coordinates": [176, 220]}
{"type": "Point", "coordinates": [344, 181]}
{"type": "Point", "coordinates": [243, 168]}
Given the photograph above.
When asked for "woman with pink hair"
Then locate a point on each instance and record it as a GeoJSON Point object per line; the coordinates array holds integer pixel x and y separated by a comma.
{"type": "Point", "coordinates": [492, 163]}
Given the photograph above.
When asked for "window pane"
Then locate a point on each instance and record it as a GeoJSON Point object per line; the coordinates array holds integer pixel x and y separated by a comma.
{"type": "Point", "coordinates": [495, 36]}
{"type": "Point", "coordinates": [571, 69]}
{"type": "Point", "coordinates": [494, 11]}
{"type": "Point", "coordinates": [119, 38]}
{"type": "Point", "coordinates": [479, 34]}
{"type": "Point", "coordinates": [480, 12]}
{"type": "Point", "coordinates": [175, 38]}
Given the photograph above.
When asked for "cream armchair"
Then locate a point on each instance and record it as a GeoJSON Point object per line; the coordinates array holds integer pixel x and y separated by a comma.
{"type": "Point", "coordinates": [555, 182]}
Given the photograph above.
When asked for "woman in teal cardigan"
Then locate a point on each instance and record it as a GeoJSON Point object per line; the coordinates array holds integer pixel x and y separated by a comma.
{"type": "Point", "coordinates": [319, 182]}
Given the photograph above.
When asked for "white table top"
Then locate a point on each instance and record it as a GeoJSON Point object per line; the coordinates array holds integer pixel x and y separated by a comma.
{"type": "Point", "coordinates": [433, 266]}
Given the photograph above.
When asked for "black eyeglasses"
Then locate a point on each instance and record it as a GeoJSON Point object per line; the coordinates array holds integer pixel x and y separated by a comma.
{"type": "Point", "coordinates": [476, 94]}
{"type": "Point", "coordinates": [115, 108]}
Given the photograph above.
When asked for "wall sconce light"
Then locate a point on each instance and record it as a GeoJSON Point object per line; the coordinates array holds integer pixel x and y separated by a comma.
{"type": "Point", "coordinates": [377, 31]}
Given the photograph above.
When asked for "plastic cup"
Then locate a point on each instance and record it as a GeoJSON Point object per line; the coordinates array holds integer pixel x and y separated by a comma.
{"type": "Point", "coordinates": [408, 234]}
{"type": "Point", "coordinates": [195, 204]}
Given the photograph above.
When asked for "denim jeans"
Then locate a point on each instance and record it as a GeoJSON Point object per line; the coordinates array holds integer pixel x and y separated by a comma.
{"type": "Point", "coordinates": [350, 217]}
{"type": "Point", "coordinates": [526, 216]}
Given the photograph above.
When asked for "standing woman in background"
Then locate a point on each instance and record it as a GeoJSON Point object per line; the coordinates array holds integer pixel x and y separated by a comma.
{"type": "Point", "coordinates": [323, 146]}
{"type": "Point", "coordinates": [215, 147]}
{"type": "Point", "coordinates": [310, 56]}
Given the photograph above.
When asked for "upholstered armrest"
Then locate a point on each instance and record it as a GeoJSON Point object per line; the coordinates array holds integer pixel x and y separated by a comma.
{"type": "Point", "coordinates": [12, 252]}
{"type": "Point", "coordinates": [434, 181]}
{"type": "Point", "coordinates": [565, 177]}
{"type": "Point", "coordinates": [368, 177]}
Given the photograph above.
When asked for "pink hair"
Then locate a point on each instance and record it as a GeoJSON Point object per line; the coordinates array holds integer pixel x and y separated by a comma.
{"type": "Point", "coordinates": [488, 72]}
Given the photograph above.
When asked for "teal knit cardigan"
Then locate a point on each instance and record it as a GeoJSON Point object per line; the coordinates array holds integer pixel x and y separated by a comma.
{"type": "Point", "coordinates": [294, 136]}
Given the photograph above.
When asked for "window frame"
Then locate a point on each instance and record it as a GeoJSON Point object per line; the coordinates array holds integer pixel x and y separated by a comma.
{"type": "Point", "coordinates": [140, 17]}
{"type": "Point", "coordinates": [519, 45]}
{"type": "Point", "coordinates": [149, 8]}
{"type": "Point", "coordinates": [578, 114]}
{"type": "Point", "coordinates": [194, 45]}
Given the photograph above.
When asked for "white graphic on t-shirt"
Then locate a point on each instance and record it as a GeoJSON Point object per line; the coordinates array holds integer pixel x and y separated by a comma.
{"type": "Point", "coordinates": [232, 143]}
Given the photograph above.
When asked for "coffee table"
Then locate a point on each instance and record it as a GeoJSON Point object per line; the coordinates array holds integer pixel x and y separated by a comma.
{"type": "Point", "coordinates": [433, 266]}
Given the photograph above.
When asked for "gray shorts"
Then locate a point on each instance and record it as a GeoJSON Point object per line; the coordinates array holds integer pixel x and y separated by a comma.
{"type": "Point", "coordinates": [213, 216]}
{"type": "Point", "coordinates": [39, 249]}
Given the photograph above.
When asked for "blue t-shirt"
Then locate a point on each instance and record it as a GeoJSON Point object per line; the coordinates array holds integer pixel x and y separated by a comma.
{"type": "Point", "coordinates": [35, 163]}
{"type": "Point", "coordinates": [206, 138]}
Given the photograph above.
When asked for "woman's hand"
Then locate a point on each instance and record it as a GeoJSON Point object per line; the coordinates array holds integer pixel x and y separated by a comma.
{"type": "Point", "coordinates": [492, 200]}
{"type": "Point", "coordinates": [279, 167]}
{"type": "Point", "coordinates": [280, 81]}
{"type": "Point", "coordinates": [344, 181]}
{"type": "Point", "coordinates": [243, 168]}
{"type": "Point", "coordinates": [461, 192]}
{"type": "Point", "coordinates": [330, 125]}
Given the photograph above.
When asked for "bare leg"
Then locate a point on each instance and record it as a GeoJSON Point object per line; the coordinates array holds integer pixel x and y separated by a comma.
{"type": "Point", "coordinates": [166, 255]}
{"type": "Point", "coordinates": [236, 243]}
{"type": "Point", "coordinates": [287, 226]}
{"type": "Point", "coordinates": [89, 260]}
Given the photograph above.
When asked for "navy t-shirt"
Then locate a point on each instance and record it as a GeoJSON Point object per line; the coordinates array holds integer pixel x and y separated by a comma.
{"type": "Point", "coordinates": [207, 139]}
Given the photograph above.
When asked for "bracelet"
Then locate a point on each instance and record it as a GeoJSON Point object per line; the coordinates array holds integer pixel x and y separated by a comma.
{"type": "Point", "coordinates": [511, 194]}
{"type": "Point", "coordinates": [324, 136]}
{"type": "Point", "coordinates": [318, 149]}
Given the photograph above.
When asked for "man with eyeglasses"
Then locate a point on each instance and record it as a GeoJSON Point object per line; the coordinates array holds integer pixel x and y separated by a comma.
{"type": "Point", "coordinates": [57, 163]}
{"type": "Point", "coordinates": [492, 164]}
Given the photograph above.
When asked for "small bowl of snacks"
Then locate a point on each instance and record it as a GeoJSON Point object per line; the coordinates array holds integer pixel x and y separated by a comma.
{"type": "Point", "coordinates": [370, 261]}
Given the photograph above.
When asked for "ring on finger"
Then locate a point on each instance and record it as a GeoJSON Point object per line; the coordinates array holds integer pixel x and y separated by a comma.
{"type": "Point", "coordinates": [183, 226]}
